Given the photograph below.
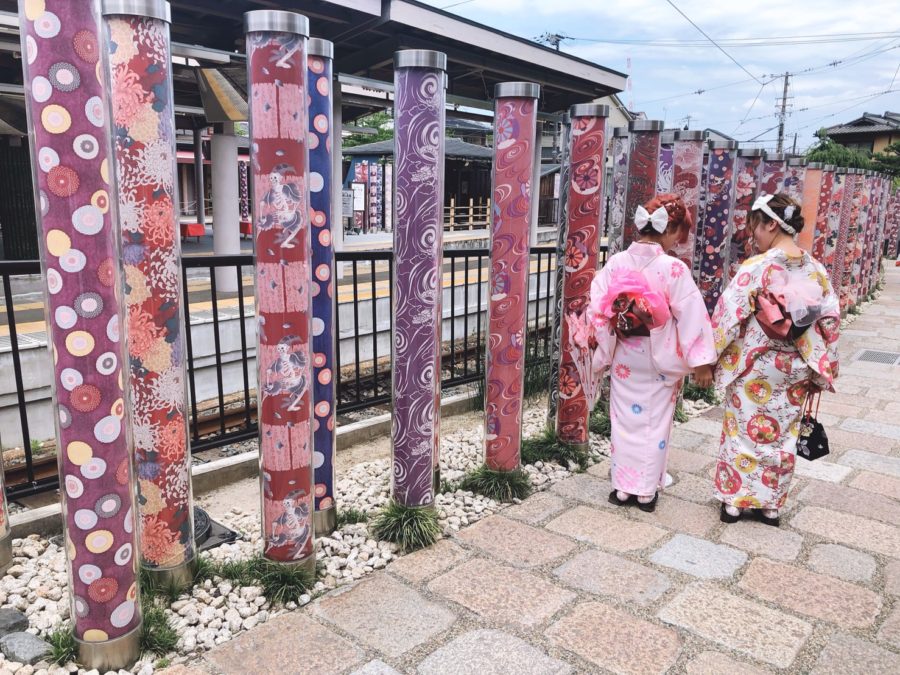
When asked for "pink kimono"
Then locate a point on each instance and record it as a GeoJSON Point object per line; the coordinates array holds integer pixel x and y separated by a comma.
{"type": "Point", "coordinates": [647, 371]}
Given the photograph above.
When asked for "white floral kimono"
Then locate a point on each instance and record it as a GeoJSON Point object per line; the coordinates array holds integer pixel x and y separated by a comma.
{"type": "Point", "coordinates": [765, 381]}
{"type": "Point", "coordinates": [647, 371]}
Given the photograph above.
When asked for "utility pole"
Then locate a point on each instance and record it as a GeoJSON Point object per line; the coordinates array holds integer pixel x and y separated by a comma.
{"type": "Point", "coordinates": [794, 151]}
{"type": "Point", "coordinates": [783, 113]}
{"type": "Point", "coordinates": [552, 39]}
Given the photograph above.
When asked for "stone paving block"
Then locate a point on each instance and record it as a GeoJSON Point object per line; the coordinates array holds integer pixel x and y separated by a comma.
{"type": "Point", "coordinates": [491, 652]}
{"type": "Point", "coordinates": [606, 530]}
{"type": "Point", "coordinates": [822, 470]}
{"type": "Point", "coordinates": [516, 542]}
{"type": "Point", "coordinates": [608, 638]}
{"type": "Point", "coordinates": [843, 562]}
{"type": "Point", "coordinates": [681, 516]}
{"type": "Point", "coordinates": [686, 439]}
{"type": "Point", "coordinates": [851, 500]}
{"type": "Point", "coordinates": [501, 593]}
{"type": "Point", "coordinates": [714, 663]}
{"type": "Point", "coordinates": [845, 528]}
{"type": "Point", "coordinates": [890, 629]}
{"type": "Point", "coordinates": [605, 574]}
{"type": "Point", "coordinates": [199, 668]}
{"type": "Point", "coordinates": [759, 632]}
{"type": "Point", "coordinates": [849, 655]}
{"type": "Point", "coordinates": [839, 409]}
{"type": "Point", "coordinates": [892, 578]}
{"type": "Point", "coordinates": [711, 429]}
{"type": "Point", "coordinates": [375, 667]}
{"type": "Point", "coordinates": [265, 649]}
{"type": "Point", "coordinates": [878, 483]}
{"type": "Point", "coordinates": [384, 614]}
{"type": "Point", "coordinates": [697, 489]}
{"type": "Point", "coordinates": [816, 595]}
{"type": "Point", "coordinates": [840, 440]}
{"type": "Point", "coordinates": [584, 488]}
{"type": "Point", "coordinates": [699, 558]}
{"type": "Point", "coordinates": [891, 431]}
{"type": "Point", "coordinates": [760, 539]}
{"type": "Point", "coordinates": [600, 469]}
{"type": "Point", "coordinates": [429, 562]}
{"type": "Point", "coordinates": [684, 460]}
{"type": "Point", "coordinates": [537, 508]}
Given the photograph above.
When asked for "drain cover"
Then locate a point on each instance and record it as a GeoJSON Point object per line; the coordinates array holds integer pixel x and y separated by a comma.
{"type": "Point", "coordinates": [202, 525]}
{"type": "Point", "coordinates": [875, 356]}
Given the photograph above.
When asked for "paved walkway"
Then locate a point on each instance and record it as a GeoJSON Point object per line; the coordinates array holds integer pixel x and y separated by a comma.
{"type": "Point", "coordinates": [566, 583]}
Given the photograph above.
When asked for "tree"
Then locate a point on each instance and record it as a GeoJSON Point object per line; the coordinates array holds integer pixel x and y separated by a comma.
{"type": "Point", "coordinates": [888, 161]}
{"type": "Point", "coordinates": [381, 122]}
{"type": "Point", "coordinates": [828, 151]}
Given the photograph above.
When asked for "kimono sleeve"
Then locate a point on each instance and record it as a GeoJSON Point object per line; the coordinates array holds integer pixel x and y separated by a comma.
{"type": "Point", "coordinates": [818, 345]}
{"type": "Point", "coordinates": [695, 333]}
{"type": "Point", "coordinates": [603, 333]}
{"type": "Point", "coordinates": [735, 305]}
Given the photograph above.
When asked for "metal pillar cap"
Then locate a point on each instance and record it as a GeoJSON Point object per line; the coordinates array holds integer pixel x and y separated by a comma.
{"type": "Point", "coordinates": [620, 132]}
{"type": "Point", "coordinates": [420, 58]}
{"type": "Point", "coordinates": [723, 145]}
{"type": "Point", "coordinates": [646, 125]}
{"type": "Point", "coordinates": [275, 21]}
{"type": "Point", "coordinates": [667, 137]}
{"type": "Point", "coordinates": [320, 47]}
{"type": "Point", "coordinates": [774, 156]}
{"type": "Point", "coordinates": [589, 110]}
{"type": "Point", "coordinates": [797, 161]}
{"type": "Point", "coordinates": [154, 9]}
{"type": "Point", "coordinates": [814, 165]}
{"type": "Point", "coordinates": [829, 167]}
{"type": "Point", "coordinates": [750, 152]}
{"type": "Point", "coordinates": [518, 90]}
{"type": "Point", "coordinates": [690, 135]}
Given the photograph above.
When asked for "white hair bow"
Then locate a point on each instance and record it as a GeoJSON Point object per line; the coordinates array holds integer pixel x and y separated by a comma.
{"type": "Point", "coordinates": [658, 220]}
{"type": "Point", "coordinates": [762, 204]}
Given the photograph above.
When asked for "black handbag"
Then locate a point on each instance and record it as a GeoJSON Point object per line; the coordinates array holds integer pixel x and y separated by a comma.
{"type": "Point", "coordinates": [813, 443]}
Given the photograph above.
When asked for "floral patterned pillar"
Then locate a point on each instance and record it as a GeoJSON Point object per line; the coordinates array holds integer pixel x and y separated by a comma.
{"type": "Point", "coordinates": [70, 141]}
{"type": "Point", "coordinates": [849, 234]}
{"type": "Point", "coordinates": [515, 134]}
{"type": "Point", "coordinates": [279, 133]}
{"type": "Point", "coordinates": [835, 207]}
{"type": "Point", "coordinates": [642, 170]}
{"type": "Point", "coordinates": [666, 167]}
{"type": "Point", "coordinates": [319, 74]}
{"type": "Point", "coordinates": [893, 223]}
{"type": "Point", "coordinates": [746, 187]}
{"type": "Point", "coordinates": [143, 119]}
{"type": "Point", "coordinates": [820, 236]}
{"type": "Point", "coordinates": [862, 233]}
{"type": "Point", "coordinates": [812, 191]}
{"type": "Point", "coordinates": [419, 113]}
{"type": "Point", "coordinates": [871, 254]}
{"type": "Point", "coordinates": [715, 225]}
{"type": "Point", "coordinates": [687, 170]}
{"type": "Point", "coordinates": [562, 218]}
{"type": "Point", "coordinates": [585, 206]}
{"type": "Point", "coordinates": [794, 179]}
{"type": "Point", "coordinates": [773, 171]}
{"type": "Point", "coordinates": [615, 229]}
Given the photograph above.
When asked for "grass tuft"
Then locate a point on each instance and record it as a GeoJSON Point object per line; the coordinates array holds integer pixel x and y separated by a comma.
{"type": "Point", "coordinates": [158, 637]}
{"type": "Point", "coordinates": [63, 648]}
{"type": "Point", "coordinates": [448, 486]}
{"type": "Point", "coordinates": [205, 569]}
{"type": "Point", "coordinates": [501, 486]}
{"type": "Point", "coordinates": [599, 422]}
{"type": "Point", "coordinates": [411, 528]}
{"type": "Point", "coordinates": [282, 583]}
{"type": "Point", "coordinates": [546, 447]}
{"type": "Point", "coordinates": [694, 393]}
{"type": "Point", "coordinates": [151, 588]}
{"type": "Point", "coordinates": [351, 517]}
{"type": "Point", "coordinates": [680, 415]}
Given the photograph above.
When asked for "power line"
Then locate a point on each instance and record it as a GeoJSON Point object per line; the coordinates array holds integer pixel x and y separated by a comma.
{"type": "Point", "coordinates": [721, 49]}
{"type": "Point", "coordinates": [762, 86]}
{"type": "Point", "coordinates": [740, 42]}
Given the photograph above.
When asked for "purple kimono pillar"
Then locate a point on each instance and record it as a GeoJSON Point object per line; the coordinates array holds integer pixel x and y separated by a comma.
{"type": "Point", "coordinates": [716, 223]}
{"type": "Point", "coordinates": [687, 157]}
{"type": "Point", "coordinates": [68, 119]}
{"type": "Point", "coordinates": [666, 167]}
{"type": "Point", "coordinates": [642, 171]}
{"type": "Point", "coordinates": [773, 170]}
{"type": "Point", "coordinates": [320, 82]}
{"type": "Point", "coordinates": [615, 228]}
{"type": "Point", "coordinates": [419, 89]}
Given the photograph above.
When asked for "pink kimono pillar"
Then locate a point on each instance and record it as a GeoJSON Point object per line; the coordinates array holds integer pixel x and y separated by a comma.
{"type": "Point", "coordinates": [643, 165]}
{"type": "Point", "coordinates": [615, 228]}
{"type": "Point", "coordinates": [855, 187]}
{"type": "Point", "coordinates": [820, 236]}
{"type": "Point", "coordinates": [587, 156]}
{"type": "Point", "coordinates": [892, 223]}
{"type": "Point", "coordinates": [861, 239]}
{"type": "Point", "coordinates": [687, 172]}
{"type": "Point", "coordinates": [515, 136]}
{"type": "Point", "coordinates": [143, 118]}
{"type": "Point", "coordinates": [812, 190]}
{"type": "Point", "coordinates": [833, 245]}
{"type": "Point", "coordinates": [419, 113]}
{"type": "Point", "coordinates": [76, 210]}
{"type": "Point", "coordinates": [279, 133]}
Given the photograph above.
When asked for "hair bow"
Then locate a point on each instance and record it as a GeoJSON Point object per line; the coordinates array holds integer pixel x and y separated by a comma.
{"type": "Point", "coordinates": [658, 220]}
{"type": "Point", "coordinates": [762, 204]}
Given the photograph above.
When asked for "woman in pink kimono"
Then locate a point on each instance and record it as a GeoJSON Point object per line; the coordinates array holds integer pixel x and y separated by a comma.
{"type": "Point", "coordinates": [652, 330]}
{"type": "Point", "coordinates": [776, 329]}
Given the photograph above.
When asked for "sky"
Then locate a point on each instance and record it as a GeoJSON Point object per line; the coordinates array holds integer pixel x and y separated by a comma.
{"type": "Point", "coordinates": [741, 98]}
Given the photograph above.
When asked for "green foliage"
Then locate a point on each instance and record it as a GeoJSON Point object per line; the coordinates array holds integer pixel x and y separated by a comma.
{"type": "Point", "coordinates": [351, 517]}
{"type": "Point", "coordinates": [163, 663]}
{"type": "Point", "coordinates": [694, 393]}
{"type": "Point", "coordinates": [828, 151]}
{"type": "Point", "coordinates": [546, 447]}
{"type": "Point", "coordinates": [448, 486]}
{"type": "Point", "coordinates": [888, 161]}
{"type": "Point", "coordinates": [501, 486]}
{"type": "Point", "coordinates": [157, 634]}
{"type": "Point", "coordinates": [537, 378]}
{"type": "Point", "coordinates": [680, 415]}
{"type": "Point", "coordinates": [152, 588]}
{"type": "Point", "coordinates": [383, 124]}
{"type": "Point", "coordinates": [599, 422]}
{"type": "Point", "coordinates": [35, 445]}
{"type": "Point", "coordinates": [282, 583]}
{"type": "Point", "coordinates": [204, 569]}
{"type": "Point", "coordinates": [411, 528]}
{"type": "Point", "coordinates": [63, 648]}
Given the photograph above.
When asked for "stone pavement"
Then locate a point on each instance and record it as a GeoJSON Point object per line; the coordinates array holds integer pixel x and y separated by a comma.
{"type": "Point", "coordinates": [566, 583]}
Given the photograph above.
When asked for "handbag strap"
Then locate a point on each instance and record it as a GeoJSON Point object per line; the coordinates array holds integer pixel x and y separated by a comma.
{"type": "Point", "coordinates": [817, 397]}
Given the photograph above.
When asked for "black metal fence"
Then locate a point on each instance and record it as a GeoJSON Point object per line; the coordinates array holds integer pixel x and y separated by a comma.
{"type": "Point", "coordinates": [221, 341]}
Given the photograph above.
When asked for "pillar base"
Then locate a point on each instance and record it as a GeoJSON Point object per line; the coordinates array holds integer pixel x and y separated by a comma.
{"type": "Point", "coordinates": [436, 477]}
{"type": "Point", "coordinates": [5, 554]}
{"type": "Point", "coordinates": [325, 521]}
{"type": "Point", "coordinates": [307, 564]}
{"type": "Point", "coordinates": [180, 576]}
{"type": "Point", "coordinates": [115, 654]}
{"type": "Point", "coordinates": [582, 447]}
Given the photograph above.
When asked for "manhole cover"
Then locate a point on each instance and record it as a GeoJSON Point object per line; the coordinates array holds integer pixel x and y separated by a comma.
{"type": "Point", "coordinates": [875, 356]}
{"type": "Point", "coordinates": [202, 525]}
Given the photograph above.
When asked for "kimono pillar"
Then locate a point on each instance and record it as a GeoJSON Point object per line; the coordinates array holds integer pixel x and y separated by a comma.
{"type": "Point", "coordinates": [419, 84]}
{"type": "Point", "coordinates": [716, 220]}
{"type": "Point", "coordinates": [746, 188]}
{"type": "Point", "coordinates": [143, 117]}
{"type": "Point", "coordinates": [585, 205]}
{"type": "Point", "coordinates": [833, 244]}
{"type": "Point", "coordinates": [643, 165]}
{"type": "Point", "coordinates": [515, 126]}
{"type": "Point", "coordinates": [892, 223]}
{"type": "Point", "coordinates": [279, 133]}
{"type": "Point", "coordinates": [820, 237]}
{"type": "Point", "coordinates": [849, 233]}
{"type": "Point", "coordinates": [857, 251]}
{"type": "Point", "coordinates": [812, 192]}
{"type": "Point", "coordinates": [615, 228]}
{"type": "Point", "coordinates": [562, 216]}
{"type": "Point", "coordinates": [665, 169]}
{"type": "Point", "coordinates": [70, 141]}
{"type": "Point", "coordinates": [794, 179]}
{"type": "Point", "coordinates": [321, 128]}
{"type": "Point", "coordinates": [773, 171]}
{"type": "Point", "coordinates": [686, 174]}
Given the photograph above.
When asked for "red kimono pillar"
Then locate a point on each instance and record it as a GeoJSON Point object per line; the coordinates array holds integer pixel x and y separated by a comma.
{"type": "Point", "coordinates": [279, 133]}
{"type": "Point", "coordinates": [820, 237]}
{"type": "Point", "coordinates": [515, 137]}
{"type": "Point", "coordinates": [587, 157]}
{"type": "Point", "coordinates": [643, 165]}
{"type": "Point", "coordinates": [687, 172]}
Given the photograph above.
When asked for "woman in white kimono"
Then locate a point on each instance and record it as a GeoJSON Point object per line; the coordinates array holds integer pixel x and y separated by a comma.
{"type": "Point", "coordinates": [776, 328]}
{"type": "Point", "coordinates": [652, 329]}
